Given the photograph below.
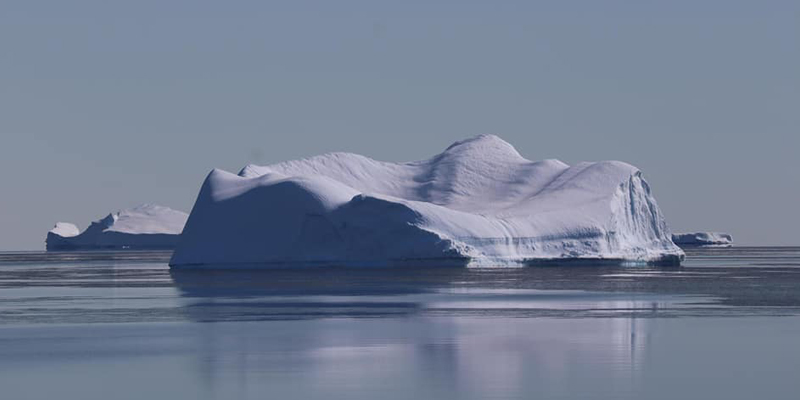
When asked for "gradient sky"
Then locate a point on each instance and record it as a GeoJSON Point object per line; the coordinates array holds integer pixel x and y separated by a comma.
{"type": "Point", "coordinates": [108, 104]}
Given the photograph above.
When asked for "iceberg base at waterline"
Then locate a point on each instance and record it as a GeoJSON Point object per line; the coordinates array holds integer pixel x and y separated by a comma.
{"type": "Point", "coordinates": [477, 203]}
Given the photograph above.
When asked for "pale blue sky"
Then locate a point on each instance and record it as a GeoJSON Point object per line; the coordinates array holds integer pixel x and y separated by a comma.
{"type": "Point", "coordinates": [107, 104]}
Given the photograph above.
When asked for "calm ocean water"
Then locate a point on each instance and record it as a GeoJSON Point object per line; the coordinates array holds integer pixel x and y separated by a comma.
{"type": "Point", "coordinates": [122, 325]}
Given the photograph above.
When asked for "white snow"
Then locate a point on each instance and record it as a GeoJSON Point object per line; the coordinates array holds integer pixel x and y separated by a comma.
{"type": "Point", "coordinates": [478, 202]}
{"type": "Point", "coordinates": [702, 239]}
{"type": "Point", "coordinates": [147, 226]}
{"type": "Point", "coordinates": [65, 229]}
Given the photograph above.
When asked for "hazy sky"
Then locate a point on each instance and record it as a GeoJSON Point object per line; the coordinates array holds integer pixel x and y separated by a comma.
{"type": "Point", "coordinates": [108, 104]}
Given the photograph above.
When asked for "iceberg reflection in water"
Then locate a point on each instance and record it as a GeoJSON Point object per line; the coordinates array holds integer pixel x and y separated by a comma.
{"type": "Point", "coordinates": [111, 325]}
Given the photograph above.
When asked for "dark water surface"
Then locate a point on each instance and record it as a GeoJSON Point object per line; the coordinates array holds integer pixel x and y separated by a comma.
{"type": "Point", "coordinates": [122, 325]}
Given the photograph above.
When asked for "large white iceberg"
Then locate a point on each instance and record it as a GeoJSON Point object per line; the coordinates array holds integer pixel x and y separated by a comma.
{"type": "Point", "coordinates": [147, 226]}
{"type": "Point", "coordinates": [718, 239]}
{"type": "Point", "coordinates": [478, 202]}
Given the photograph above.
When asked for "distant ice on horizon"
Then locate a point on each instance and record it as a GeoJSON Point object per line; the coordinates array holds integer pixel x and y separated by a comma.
{"type": "Point", "coordinates": [702, 239]}
{"type": "Point", "coordinates": [477, 203]}
{"type": "Point", "coordinates": [147, 226]}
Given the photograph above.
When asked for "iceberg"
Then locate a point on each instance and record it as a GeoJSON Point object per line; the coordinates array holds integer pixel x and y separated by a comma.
{"type": "Point", "coordinates": [477, 203]}
{"type": "Point", "coordinates": [695, 239]}
{"type": "Point", "coordinates": [147, 226]}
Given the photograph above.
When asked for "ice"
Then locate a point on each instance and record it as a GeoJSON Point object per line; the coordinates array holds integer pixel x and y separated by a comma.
{"type": "Point", "coordinates": [65, 230]}
{"type": "Point", "coordinates": [477, 203]}
{"type": "Point", "coordinates": [702, 239]}
{"type": "Point", "coordinates": [147, 226]}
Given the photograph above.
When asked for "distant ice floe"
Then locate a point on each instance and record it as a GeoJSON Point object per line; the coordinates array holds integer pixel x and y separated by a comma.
{"type": "Point", "coordinates": [702, 239]}
{"type": "Point", "coordinates": [477, 203]}
{"type": "Point", "coordinates": [147, 226]}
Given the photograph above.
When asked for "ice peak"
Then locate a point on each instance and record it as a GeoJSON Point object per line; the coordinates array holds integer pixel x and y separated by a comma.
{"type": "Point", "coordinates": [483, 145]}
{"type": "Point", "coordinates": [109, 220]}
{"type": "Point", "coordinates": [65, 229]}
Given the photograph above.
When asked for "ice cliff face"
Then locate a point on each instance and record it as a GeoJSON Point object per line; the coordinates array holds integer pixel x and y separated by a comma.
{"type": "Point", "coordinates": [147, 226]}
{"type": "Point", "coordinates": [478, 202]}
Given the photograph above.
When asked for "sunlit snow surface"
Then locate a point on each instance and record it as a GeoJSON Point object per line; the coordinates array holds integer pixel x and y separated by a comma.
{"type": "Point", "coordinates": [121, 324]}
{"type": "Point", "coordinates": [479, 202]}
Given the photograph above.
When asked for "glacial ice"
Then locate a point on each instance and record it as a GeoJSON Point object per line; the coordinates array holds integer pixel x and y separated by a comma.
{"type": "Point", "coordinates": [702, 239]}
{"type": "Point", "coordinates": [147, 226]}
{"type": "Point", "coordinates": [477, 203]}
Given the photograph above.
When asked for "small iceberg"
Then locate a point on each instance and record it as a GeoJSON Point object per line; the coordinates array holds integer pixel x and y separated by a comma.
{"type": "Point", "coordinates": [147, 226]}
{"type": "Point", "coordinates": [477, 203]}
{"type": "Point", "coordinates": [695, 239]}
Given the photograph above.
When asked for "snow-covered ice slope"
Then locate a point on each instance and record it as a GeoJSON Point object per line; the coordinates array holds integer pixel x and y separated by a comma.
{"type": "Point", "coordinates": [478, 202]}
{"type": "Point", "coordinates": [702, 239]}
{"type": "Point", "coordinates": [144, 227]}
